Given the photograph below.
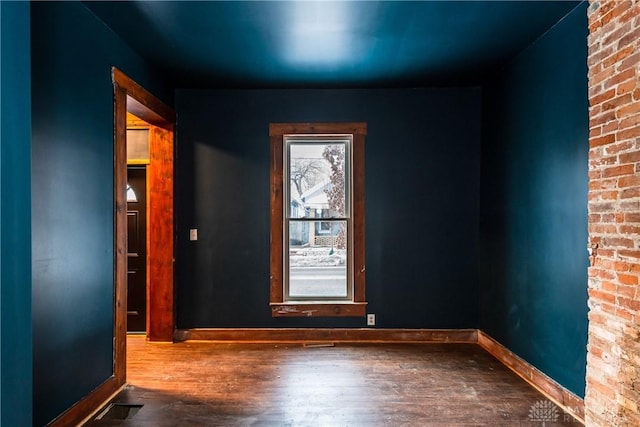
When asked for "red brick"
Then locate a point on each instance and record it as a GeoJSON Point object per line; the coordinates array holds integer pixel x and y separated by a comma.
{"type": "Point", "coordinates": [602, 118]}
{"type": "Point", "coordinates": [629, 132]}
{"type": "Point", "coordinates": [626, 87]}
{"type": "Point", "coordinates": [604, 12]}
{"type": "Point", "coordinates": [621, 54]}
{"type": "Point", "coordinates": [629, 121]}
{"type": "Point", "coordinates": [630, 62]}
{"type": "Point", "coordinates": [629, 253]}
{"type": "Point", "coordinates": [630, 157]}
{"type": "Point", "coordinates": [608, 287]}
{"type": "Point", "coordinates": [616, 102]}
{"type": "Point", "coordinates": [603, 229]}
{"type": "Point", "coordinates": [602, 97]}
{"type": "Point", "coordinates": [594, 90]}
{"type": "Point", "coordinates": [605, 275]}
{"type": "Point", "coordinates": [608, 308]}
{"type": "Point", "coordinates": [603, 140]}
{"type": "Point", "coordinates": [624, 314]}
{"type": "Point", "coordinates": [607, 253]}
{"type": "Point", "coordinates": [619, 147]}
{"type": "Point", "coordinates": [629, 38]}
{"type": "Point", "coordinates": [630, 229]}
{"type": "Point", "coordinates": [596, 351]}
{"type": "Point", "coordinates": [621, 266]}
{"type": "Point", "coordinates": [629, 206]}
{"type": "Point", "coordinates": [605, 76]}
{"type": "Point", "coordinates": [629, 181]}
{"type": "Point", "coordinates": [618, 171]}
{"type": "Point", "coordinates": [618, 242]}
{"type": "Point", "coordinates": [628, 279]}
{"type": "Point", "coordinates": [612, 126]}
{"type": "Point", "coordinates": [615, 79]}
{"type": "Point", "coordinates": [627, 291]}
{"type": "Point", "coordinates": [605, 263]}
{"type": "Point", "coordinates": [600, 207]}
{"type": "Point", "coordinates": [599, 184]}
{"type": "Point", "coordinates": [630, 193]}
{"type": "Point", "coordinates": [629, 303]}
{"type": "Point", "coordinates": [602, 161]}
{"type": "Point", "coordinates": [632, 217]}
{"type": "Point", "coordinates": [626, 110]}
{"type": "Point", "coordinates": [602, 296]}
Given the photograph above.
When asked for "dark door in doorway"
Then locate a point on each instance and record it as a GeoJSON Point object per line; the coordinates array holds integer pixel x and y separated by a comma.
{"type": "Point", "coordinates": [137, 249]}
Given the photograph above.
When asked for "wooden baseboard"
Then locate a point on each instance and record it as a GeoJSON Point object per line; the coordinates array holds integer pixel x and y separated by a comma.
{"type": "Point", "coordinates": [78, 413]}
{"type": "Point", "coordinates": [562, 397]}
{"type": "Point", "coordinates": [364, 335]}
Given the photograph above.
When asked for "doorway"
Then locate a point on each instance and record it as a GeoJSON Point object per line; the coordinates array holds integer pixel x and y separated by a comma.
{"type": "Point", "coordinates": [136, 249]}
{"type": "Point", "coordinates": [129, 97]}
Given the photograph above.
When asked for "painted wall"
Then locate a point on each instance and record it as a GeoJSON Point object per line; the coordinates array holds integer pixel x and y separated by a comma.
{"type": "Point", "coordinates": [15, 226]}
{"type": "Point", "coordinates": [422, 207]}
{"type": "Point", "coordinates": [533, 228]}
{"type": "Point", "coordinates": [72, 199]}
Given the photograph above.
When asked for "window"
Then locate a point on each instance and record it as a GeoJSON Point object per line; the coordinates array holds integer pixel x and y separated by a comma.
{"type": "Point", "coordinates": [317, 219]}
{"type": "Point", "coordinates": [131, 194]}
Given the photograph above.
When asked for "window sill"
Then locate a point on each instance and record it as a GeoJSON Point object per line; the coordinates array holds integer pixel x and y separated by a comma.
{"type": "Point", "coordinates": [319, 309]}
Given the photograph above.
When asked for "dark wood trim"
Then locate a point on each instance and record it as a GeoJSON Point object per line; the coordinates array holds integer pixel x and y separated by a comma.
{"type": "Point", "coordinates": [357, 128]}
{"type": "Point", "coordinates": [120, 231]}
{"type": "Point", "coordinates": [160, 236]}
{"type": "Point", "coordinates": [359, 267]}
{"type": "Point", "coordinates": [144, 104]}
{"type": "Point", "coordinates": [276, 236]}
{"type": "Point", "coordinates": [562, 397]}
{"type": "Point", "coordinates": [87, 406]}
{"type": "Point", "coordinates": [364, 335]}
{"type": "Point", "coordinates": [332, 309]}
{"type": "Point", "coordinates": [280, 307]}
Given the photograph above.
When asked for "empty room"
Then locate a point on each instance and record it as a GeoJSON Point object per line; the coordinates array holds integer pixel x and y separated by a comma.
{"type": "Point", "coordinates": [320, 213]}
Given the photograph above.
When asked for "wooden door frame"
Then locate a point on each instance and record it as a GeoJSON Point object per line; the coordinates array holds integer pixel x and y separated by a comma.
{"type": "Point", "coordinates": [130, 96]}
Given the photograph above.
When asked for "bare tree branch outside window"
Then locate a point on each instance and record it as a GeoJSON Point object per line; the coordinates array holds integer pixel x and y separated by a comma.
{"type": "Point", "coordinates": [335, 155]}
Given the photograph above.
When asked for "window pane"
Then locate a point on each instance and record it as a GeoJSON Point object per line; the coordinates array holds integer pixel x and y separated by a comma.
{"type": "Point", "coordinates": [318, 261]}
{"type": "Point", "coordinates": [317, 180]}
{"type": "Point", "coordinates": [137, 144]}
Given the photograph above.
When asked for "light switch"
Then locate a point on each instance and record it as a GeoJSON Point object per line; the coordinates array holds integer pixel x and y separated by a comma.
{"type": "Point", "coordinates": [193, 234]}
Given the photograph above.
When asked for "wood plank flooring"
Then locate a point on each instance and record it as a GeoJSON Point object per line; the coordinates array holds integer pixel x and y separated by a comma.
{"type": "Point", "coordinates": [209, 384]}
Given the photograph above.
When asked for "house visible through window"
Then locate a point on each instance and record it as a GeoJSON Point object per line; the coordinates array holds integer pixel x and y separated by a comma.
{"type": "Point", "coordinates": [317, 183]}
{"type": "Point", "coordinates": [317, 219]}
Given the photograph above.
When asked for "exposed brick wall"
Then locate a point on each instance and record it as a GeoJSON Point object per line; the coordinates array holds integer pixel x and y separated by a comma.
{"type": "Point", "coordinates": [613, 360]}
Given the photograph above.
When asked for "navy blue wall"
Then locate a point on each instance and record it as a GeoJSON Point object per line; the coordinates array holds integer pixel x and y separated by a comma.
{"type": "Point", "coordinates": [15, 281]}
{"type": "Point", "coordinates": [533, 231]}
{"type": "Point", "coordinates": [72, 224]}
{"type": "Point", "coordinates": [422, 207]}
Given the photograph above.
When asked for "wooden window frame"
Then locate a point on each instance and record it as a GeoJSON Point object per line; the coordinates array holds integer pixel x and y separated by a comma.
{"type": "Point", "coordinates": [325, 308]}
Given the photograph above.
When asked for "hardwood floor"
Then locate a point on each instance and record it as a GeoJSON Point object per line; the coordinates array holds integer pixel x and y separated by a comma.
{"type": "Point", "coordinates": [210, 384]}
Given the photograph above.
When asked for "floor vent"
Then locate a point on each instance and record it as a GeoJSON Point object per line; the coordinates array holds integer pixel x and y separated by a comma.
{"type": "Point", "coordinates": [119, 411]}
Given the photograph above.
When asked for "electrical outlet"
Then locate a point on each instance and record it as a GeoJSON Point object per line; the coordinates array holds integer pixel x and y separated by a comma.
{"type": "Point", "coordinates": [371, 319]}
{"type": "Point", "coordinates": [193, 234]}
